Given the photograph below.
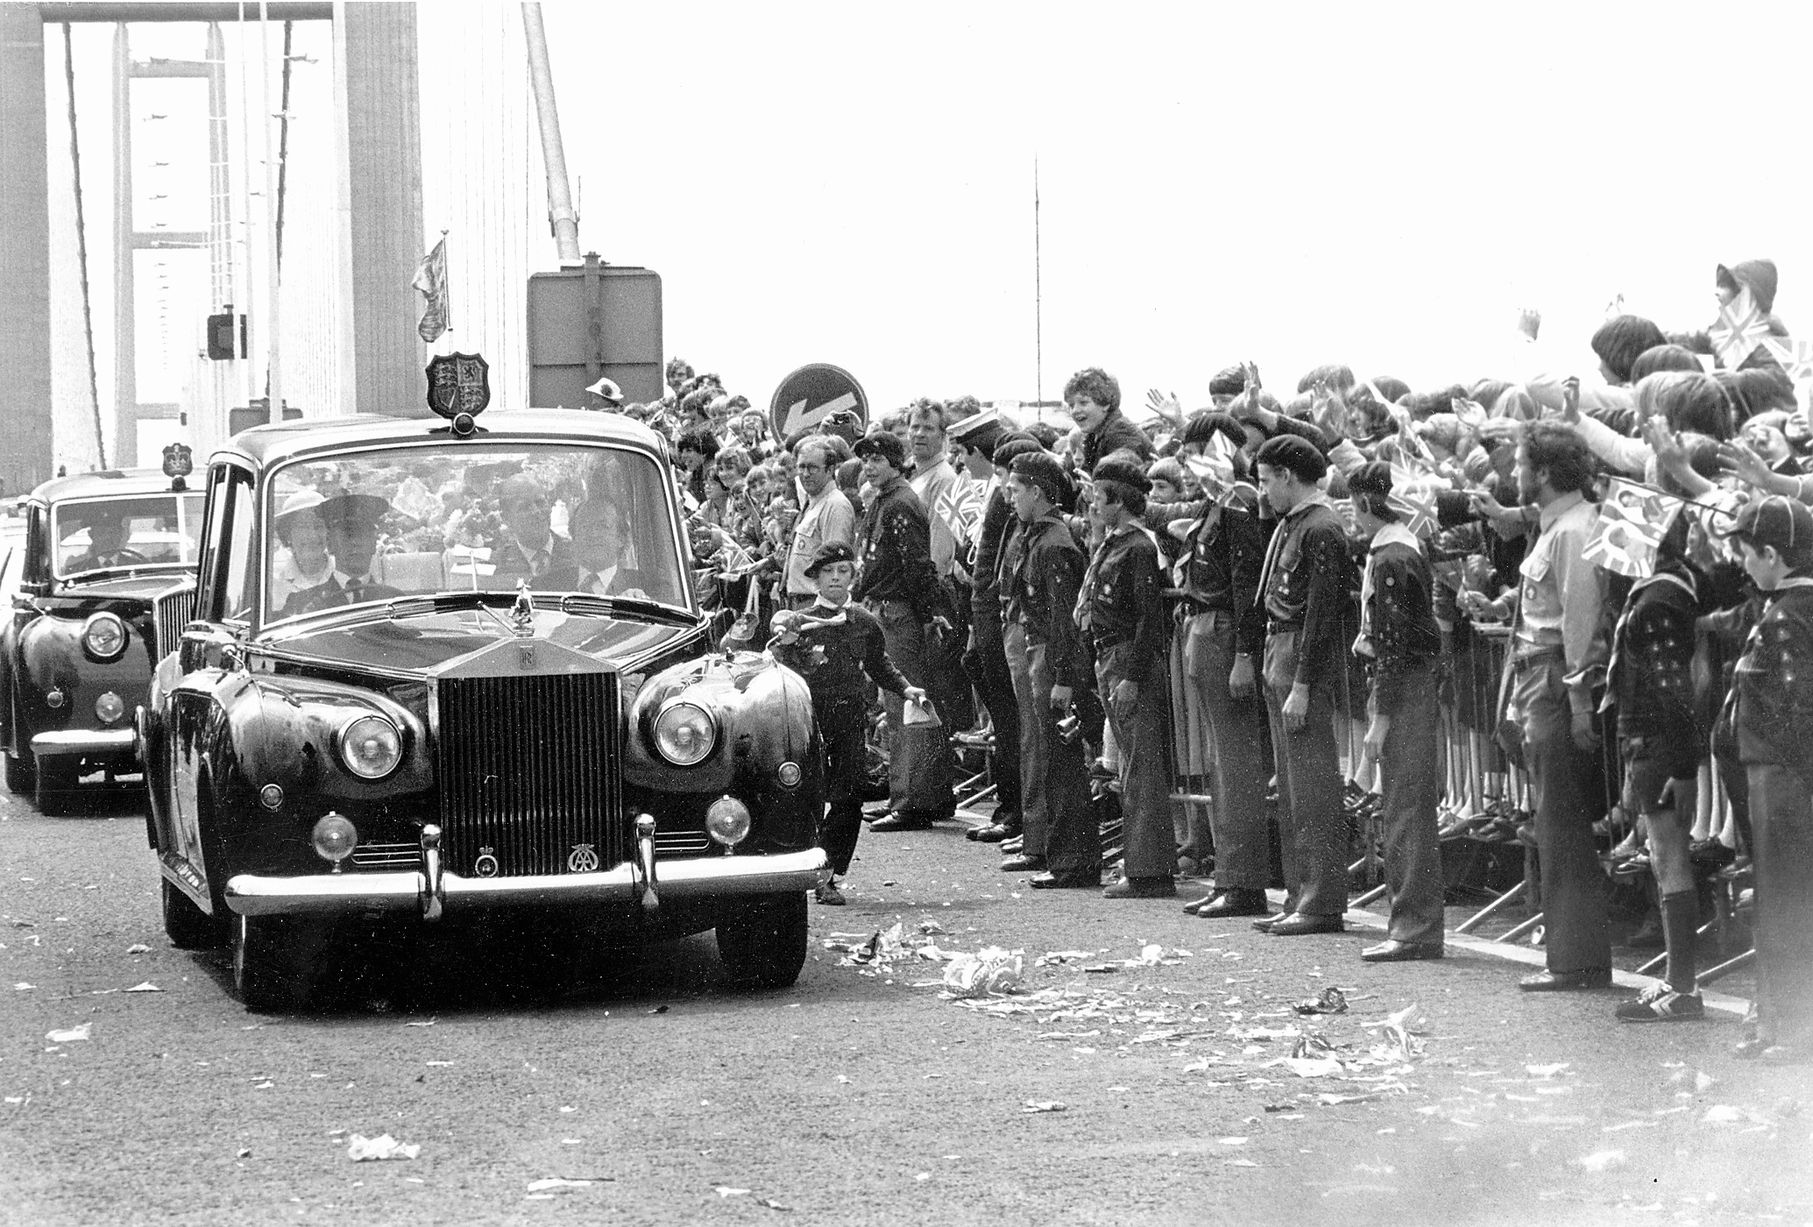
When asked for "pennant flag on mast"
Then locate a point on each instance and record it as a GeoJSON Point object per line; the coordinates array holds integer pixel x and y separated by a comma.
{"type": "Point", "coordinates": [431, 280]}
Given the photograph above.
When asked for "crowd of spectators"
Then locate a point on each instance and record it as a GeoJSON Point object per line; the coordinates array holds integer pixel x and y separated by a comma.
{"type": "Point", "coordinates": [1633, 550]}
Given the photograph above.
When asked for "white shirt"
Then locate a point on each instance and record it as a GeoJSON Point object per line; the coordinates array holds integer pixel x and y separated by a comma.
{"type": "Point", "coordinates": [827, 517]}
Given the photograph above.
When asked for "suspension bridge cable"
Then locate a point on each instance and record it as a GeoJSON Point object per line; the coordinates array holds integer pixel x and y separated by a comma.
{"type": "Point", "coordinates": [75, 161]}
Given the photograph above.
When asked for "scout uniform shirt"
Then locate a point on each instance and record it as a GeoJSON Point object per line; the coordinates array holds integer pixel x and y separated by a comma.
{"type": "Point", "coordinates": [1040, 592]}
{"type": "Point", "coordinates": [1122, 599]}
{"type": "Point", "coordinates": [1398, 633]}
{"type": "Point", "coordinates": [1306, 587]}
{"type": "Point", "coordinates": [896, 553]}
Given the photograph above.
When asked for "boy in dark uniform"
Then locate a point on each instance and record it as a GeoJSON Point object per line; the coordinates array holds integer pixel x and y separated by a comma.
{"type": "Point", "coordinates": [1046, 571]}
{"type": "Point", "coordinates": [833, 645]}
{"type": "Point", "coordinates": [1401, 642]}
{"type": "Point", "coordinates": [1305, 587]}
{"type": "Point", "coordinates": [1770, 711]}
{"type": "Point", "coordinates": [1122, 610]}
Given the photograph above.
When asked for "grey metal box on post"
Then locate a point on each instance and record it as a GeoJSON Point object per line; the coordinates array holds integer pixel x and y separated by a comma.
{"type": "Point", "coordinates": [591, 321]}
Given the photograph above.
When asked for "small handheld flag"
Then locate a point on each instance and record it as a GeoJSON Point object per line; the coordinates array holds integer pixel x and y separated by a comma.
{"type": "Point", "coordinates": [1633, 519]}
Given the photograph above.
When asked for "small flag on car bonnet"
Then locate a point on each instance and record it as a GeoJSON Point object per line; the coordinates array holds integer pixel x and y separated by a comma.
{"type": "Point", "coordinates": [431, 280]}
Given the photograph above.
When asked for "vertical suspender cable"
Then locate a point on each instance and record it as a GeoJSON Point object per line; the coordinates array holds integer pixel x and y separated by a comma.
{"type": "Point", "coordinates": [273, 377]}
{"type": "Point", "coordinates": [245, 225]}
{"type": "Point", "coordinates": [554, 159]}
{"type": "Point", "coordinates": [75, 161]}
{"type": "Point", "coordinates": [1038, 300]}
{"type": "Point", "coordinates": [283, 139]}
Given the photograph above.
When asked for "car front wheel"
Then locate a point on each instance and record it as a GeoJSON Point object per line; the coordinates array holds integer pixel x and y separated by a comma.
{"type": "Point", "coordinates": [273, 961]}
{"type": "Point", "coordinates": [763, 942]}
{"type": "Point", "coordinates": [19, 775]}
{"type": "Point", "coordinates": [55, 791]}
{"type": "Point", "coordinates": [189, 927]}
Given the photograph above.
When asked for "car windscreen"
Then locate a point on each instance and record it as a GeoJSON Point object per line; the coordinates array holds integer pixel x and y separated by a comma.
{"type": "Point", "coordinates": [125, 531]}
{"type": "Point", "coordinates": [457, 517]}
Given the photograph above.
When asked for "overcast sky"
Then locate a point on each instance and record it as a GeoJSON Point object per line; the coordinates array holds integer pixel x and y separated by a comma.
{"type": "Point", "coordinates": [1381, 184]}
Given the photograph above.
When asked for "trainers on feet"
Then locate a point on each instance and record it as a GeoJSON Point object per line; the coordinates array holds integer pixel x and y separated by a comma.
{"type": "Point", "coordinates": [1661, 1003]}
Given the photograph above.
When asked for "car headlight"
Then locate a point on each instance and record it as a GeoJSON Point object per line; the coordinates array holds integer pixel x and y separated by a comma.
{"type": "Point", "coordinates": [370, 746]}
{"type": "Point", "coordinates": [685, 733]}
{"type": "Point", "coordinates": [104, 637]}
{"type": "Point", "coordinates": [727, 821]}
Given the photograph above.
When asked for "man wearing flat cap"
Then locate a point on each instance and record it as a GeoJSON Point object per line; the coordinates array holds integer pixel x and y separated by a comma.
{"type": "Point", "coordinates": [1122, 610]}
{"type": "Point", "coordinates": [839, 647]}
{"type": "Point", "coordinates": [352, 540]}
{"type": "Point", "coordinates": [900, 587]}
{"type": "Point", "coordinates": [1305, 587]}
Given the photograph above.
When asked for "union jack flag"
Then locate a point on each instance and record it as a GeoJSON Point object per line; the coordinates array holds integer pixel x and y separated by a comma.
{"type": "Point", "coordinates": [1413, 500]}
{"type": "Point", "coordinates": [959, 506]}
{"type": "Point", "coordinates": [1796, 357]}
{"type": "Point", "coordinates": [1740, 329]}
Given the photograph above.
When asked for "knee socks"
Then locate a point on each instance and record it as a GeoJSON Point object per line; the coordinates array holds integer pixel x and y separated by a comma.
{"type": "Point", "coordinates": [1680, 919]}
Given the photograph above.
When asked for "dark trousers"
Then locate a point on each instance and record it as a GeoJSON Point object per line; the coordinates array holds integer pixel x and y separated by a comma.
{"type": "Point", "coordinates": [1145, 762]}
{"type": "Point", "coordinates": [1781, 821]}
{"type": "Point", "coordinates": [1564, 785]}
{"type": "Point", "coordinates": [995, 683]}
{"type": "Point", "coordinates": [919, 761]}
{"type": "Point", "coordinates": [1035, 815]}
{"type": "Point", "coordinates": [1410, 788]}
{"type": "Point", "coordinates": [1072, 839]}
{"type": "Point", "coordinates": [1237, 742]}
{"type": "Point", "coordinates": [841, 726]}
{"type": "Point", "coordinates": [1312, 826]}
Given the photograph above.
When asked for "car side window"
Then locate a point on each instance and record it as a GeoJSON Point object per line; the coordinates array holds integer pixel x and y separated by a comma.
{"type": "Point", "coordinates": [37, 548]}
{"type": "Point", "coordinates": [228, 568]}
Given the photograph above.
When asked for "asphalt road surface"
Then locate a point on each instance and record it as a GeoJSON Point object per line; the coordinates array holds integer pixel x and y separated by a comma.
{"type": "Point", "coordinates": [1169, 1089]}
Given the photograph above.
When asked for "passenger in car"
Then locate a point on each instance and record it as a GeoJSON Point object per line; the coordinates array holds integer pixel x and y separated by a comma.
{"type": "Point", "coordinates": [606, 558]}
{"type": "Point", "coordinates": [528, 547]}
{"type": "Point", "coordinates": [303, 562]}
{"type": "Point", "coordinates": [107, 534]}
{"type": "Point", "coordinates": [352, 539]}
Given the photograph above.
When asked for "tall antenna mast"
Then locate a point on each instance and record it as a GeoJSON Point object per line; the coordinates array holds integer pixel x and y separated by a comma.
{"type": "Point", "coordinates": [1038, 300]}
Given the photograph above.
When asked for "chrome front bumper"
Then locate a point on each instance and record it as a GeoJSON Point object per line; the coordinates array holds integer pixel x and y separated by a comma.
{"type": "Point", "coordinates": [412, 890]}
{"type": "Point", "coordinates": [85, 743]}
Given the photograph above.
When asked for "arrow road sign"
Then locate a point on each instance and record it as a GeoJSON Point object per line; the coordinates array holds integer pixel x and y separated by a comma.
{"type": "Point", "coordinates": [813, 393]}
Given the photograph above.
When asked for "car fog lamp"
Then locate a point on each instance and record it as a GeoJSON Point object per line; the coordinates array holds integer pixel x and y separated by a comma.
{"type": "Point", "coordinates": [104, 637]}
{"type": "Point", "coordinates": [370, 746]}
{"type": "Point", "coordinates": [54, 697]}
{"type": "Point", "coordinates": [335, 838]}
{"type": "Point", "coordinates": [685, 733]}
{"type": "Point", "coordinates": [727, 821]}
{"type": "Point", "coordinates": [788, 775]}
{"type": "Point", "coordinates": [109, 708]}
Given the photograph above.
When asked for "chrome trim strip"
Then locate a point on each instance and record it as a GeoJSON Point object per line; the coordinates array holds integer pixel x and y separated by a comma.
{"type": "Point", "coordinates": [69, 743]}
{"type": "Point", "coordinates": [252, 895]}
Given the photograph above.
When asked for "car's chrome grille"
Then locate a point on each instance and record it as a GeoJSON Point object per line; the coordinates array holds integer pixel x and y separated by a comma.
{"type": "Point", "coordinates": [173, 612]}
{"type": "Point", "coordinates": [681, 843]}
{"type": "Point", "coordinates": [529, 773]}
{"type": "Point", "coordinates": [387, 856]}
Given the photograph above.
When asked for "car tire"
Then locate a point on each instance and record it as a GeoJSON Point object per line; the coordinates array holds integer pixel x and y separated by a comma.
{"type": "Point", "coordinates": [188, 927]}
{"type": "Point", "coordinates": [20, 777]}
{"type": "Point", "coordinates": [54, 791]}
{"type": "Point", "coordinates": [269, 962]}
{"type": "Point", "coordinates": [763, 943]}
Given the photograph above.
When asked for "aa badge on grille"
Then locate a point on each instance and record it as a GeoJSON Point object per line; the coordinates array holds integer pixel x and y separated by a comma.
{"type": "Point", "coordinates": [583, 859]}
{"type": "Point", "coordinates": [486, 864]}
